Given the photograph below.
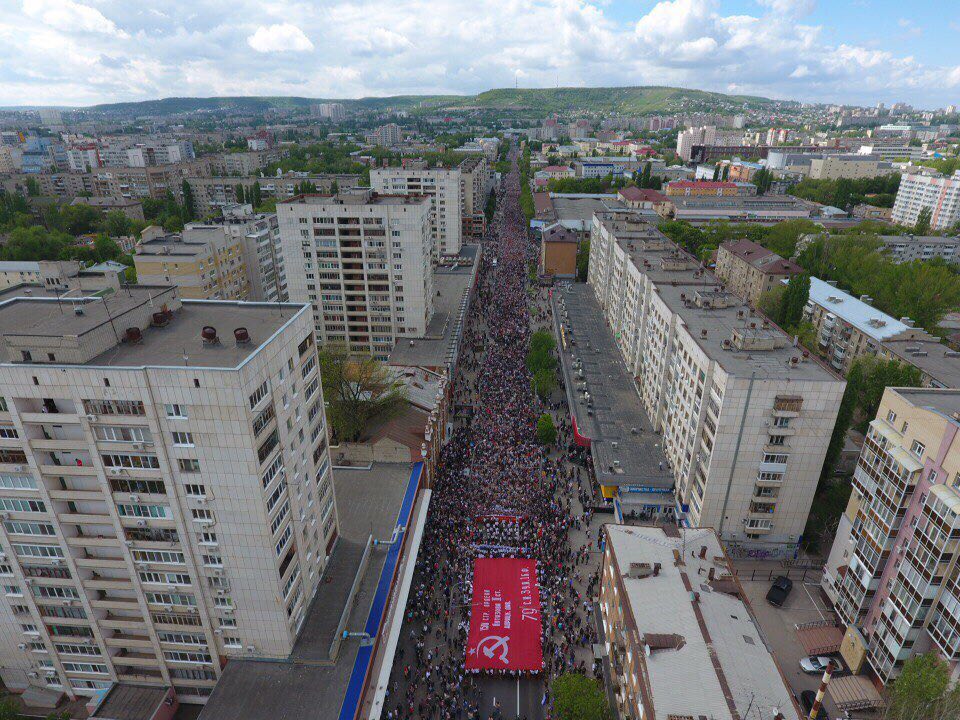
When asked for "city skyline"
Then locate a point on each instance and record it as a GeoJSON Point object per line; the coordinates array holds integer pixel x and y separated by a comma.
{"type": "Point", "coordinates": [70, 53]}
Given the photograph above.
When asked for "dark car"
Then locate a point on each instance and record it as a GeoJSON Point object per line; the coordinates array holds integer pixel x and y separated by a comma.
{"type": "Point", "coordinates": [806, 702]}
{"type": "Point", "coordinates": [779, 591]}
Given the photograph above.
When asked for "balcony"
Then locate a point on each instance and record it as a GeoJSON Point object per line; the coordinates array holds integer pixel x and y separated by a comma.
{"type": "Point", "coordinates": [77, 495]}
{"type": "Point", "coordinates": [135, 659]}
{"type": "Point", "coordinates": [85, 519]}
{"type": "Point", "coordinates": [121, 622]}
{"type": "Point", "coordinates": [101, 583]}
{"type": "Point", "coordinates": [115, 603]}
{"type": "Point", "coordinates": [129, 640]}
{"type": "Point", "coordinates": [94, 541]}
{"type": "Point", "coordinates": [100, 563]}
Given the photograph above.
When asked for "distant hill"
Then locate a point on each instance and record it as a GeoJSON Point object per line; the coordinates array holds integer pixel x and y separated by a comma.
{"type": "Point", "coordinates": [633, 100]}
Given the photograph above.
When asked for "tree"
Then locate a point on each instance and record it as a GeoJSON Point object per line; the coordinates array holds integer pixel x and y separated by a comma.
{"type": "Point", "coordinates": [33, 187]}
{"type": "Point", "coordinates": [334, 187]}
{"type": "Point", "coordinates": [577, 697]}
{"type": "Point", "coordinates": [546, 430]}
{"type": "Point", "coordinates": [583, 260]}
{"type": "Point", "coordinates": [187, 191]}
{"type": "Point", "coordinates": [794, 299]}
{"type": "Point", "coordinates": [544, 382]}
{"type": "Point", "coordinates": [769, 302]}
{"type": "Point", "coordinates": [238, 193]}
{"type": "Point", "coordinates": [116, 224]}
{"type": "Point", "coordinates": [540, 353]}
{"type": "Point", "coordinates": [763, 179]}
{"type": "Point", "coordinates": [255, 195]}
{"type": "Point", "coordinates": [922, 691]}
{"type": "Point", "coordinates": [922, 226]}
{"type": "Point", "coordinates": [358, 390]}
{"type": "Point", "coordinates": [9, 710]}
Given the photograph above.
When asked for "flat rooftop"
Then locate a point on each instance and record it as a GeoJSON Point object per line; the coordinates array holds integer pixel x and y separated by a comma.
{"type": "Point", "coordinates": [576, 211]}
{"type": "Point", "coordinates": [308, 683]}
{"type": "Point", "coordinates": [360, 197]}
{"type": "Point", "coordinates": [711, 315]}
{"type": "Point", "coordinates": [452, 280]}
{"type": "Point", "coordinates": [723, 660]}
{"type": "Point", "coordinates": [41, 320]}
{"type": "Point", "coordinates": [934, 358]}
{"type": "Point", "coordinates": [624, 447]}
{"type": "Point", "coordinates": [943, 400]}
{"type": "Point", "coordinates": [130, 702]}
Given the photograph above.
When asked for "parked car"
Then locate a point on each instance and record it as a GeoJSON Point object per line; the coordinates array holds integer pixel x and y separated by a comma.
{"type": "Point", "coordinates": [779, 591]}
{"type": "Point", "coordinates": [806, 702]}
{"type": "Point", "coordinates": [816, 664]}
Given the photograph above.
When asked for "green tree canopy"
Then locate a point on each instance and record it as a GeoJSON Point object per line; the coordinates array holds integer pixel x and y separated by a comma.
{"type": "Point", "coordinates": [358, 390]}
{"type": "Point", "coordinates": [546, 430]}
{"type": "Point", "coordinates": [793, 301]}
{"type": "Point", "coordinates": [577, 697]}
{"type": "Point", "coordinates": [922, 691]}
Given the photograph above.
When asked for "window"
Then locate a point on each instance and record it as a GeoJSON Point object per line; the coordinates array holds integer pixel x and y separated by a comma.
{"type": "Point", "coordinates": [129, 485]}
{"type": "Point", "coordinates": [202, 658]}
{"type": "Point", "coordinates": [275, 496]}
{"type": "Point", "coordinates": [38, 551]}
{"type": "Point", "coordinates": [182, 439]}
{"type": "Point", "coordinates": [164, 578]}
{"type": "Point", "coordinates": [781, 422]}
{"type": "Point", "coordinates": [122, 433]}
{"type": "Point", "coordinates": [29, 528]}
{"type": "Point", "coordinates": [208, 538]}
{"type": "Point", "coordinates": [284, 539]}
{"type": "Point", "coordinates": [891, 417]}
{"type": "Point", "coordinates": [181, 638]}
{"type": "Point", "coordinates": [9, 432]}
{"type": "Point", "coordinates": [144, 511]}
{"type": "Point", "coordinates": [24, 506]}
{"type": "Point", "coordinates": [175, 411]}
{"type": "Point", "coordinates": [231, 641]}
{"type": "Point", "coordinates": [281, 514]}
{"type": "Point", "coordinates": [263, 419]}
{"type": "Point", "coordinates": [53, 591]}
{"type": "Point", "coordinates": [777, 440]}
{"type": "Point", "coordinates": [227, 622]}
{"type": "Point", "coordinates": [195, 490]}
{"type": "Point", "coordinates": [276, 468]}
{"type": "Point", "coordinates": [776, 459]}
{"type": "Point", "coordinates": [84, 667]}
{"type": "Point", "coordinates": [181, 599]}
{"type": "Point", "coordinates": [202, 515]}
{"type": "Point", "coordinates": [212, 561]}
{"type": "Point", "coordinates": [259, 394]}
{"type": "Point", "coordinates": [10, 481]}
{"type": "Point", "coordinates": [917, 448]}
{"type": "Point", "coordinates": [188, 465]}
{"type": "Point", "coordinates": [164, 557]}
{"type": "Point", "coordinates": [114, 407]}
{"type": "Point", "coordinates": [71, 649]}
{"type": "Point", "coordinates": [263, 452]}
{"type": "Point", "coordinates": [131, 461]}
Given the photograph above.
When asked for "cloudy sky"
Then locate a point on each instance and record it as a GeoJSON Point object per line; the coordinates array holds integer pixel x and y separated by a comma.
{"type": "Point", "coordinates": [81, 52]}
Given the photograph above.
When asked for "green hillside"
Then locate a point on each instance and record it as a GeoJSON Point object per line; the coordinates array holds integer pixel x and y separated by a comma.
{"type": "Point", "coordinates": [634, 100]}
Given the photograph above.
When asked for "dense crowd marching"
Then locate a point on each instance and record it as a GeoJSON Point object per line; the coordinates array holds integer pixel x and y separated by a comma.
{"type": "Point", "coordinates": [498, 493]}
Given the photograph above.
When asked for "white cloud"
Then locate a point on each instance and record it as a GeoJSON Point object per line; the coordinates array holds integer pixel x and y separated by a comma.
{"type": "Point", "coordinates": [67, 52]}
{"type": "Point", "coordinates": [283, 37]}
{"type": "Point", "coordinates": [70, 16]}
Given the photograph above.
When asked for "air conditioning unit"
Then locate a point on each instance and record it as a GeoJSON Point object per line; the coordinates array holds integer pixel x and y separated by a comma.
{"type": "Point", "coordinates": [128, 543]}
{"type": "Point", "coordinates": [33, 674]}
{"type": "Point", "coordinates": [55, 561]}
{"type": "Point", "coordinates": [116, 471]}
{"type": "Point", "coordinates": [91, 417]}
{"type": "Point", "coordinates": [218, 631]}
{"type": "Point", "coordinates": [251, 648]}
{"type": "Point", "coordinates": [228, 611]}
{"type": "Point", "coordinates": [168, 608]}
{"type": "Point", "coordinates": [141, 523]}
{"type": "Point", "coordinates": [134, 498]}
{"type": "Point", "coordinates": [138, 446]}
{"type": "Point", "coordinates": [22, 646]}
{"type": "Point", "coordinates": [28, 580]}
{"type": "Point", "coordinates": [66, 602]}
{"type": "Point", "coordinates": [19, 468]}
{"type": "Point", "coordinates": [202, 500]}
{"type": "Point", "coordinates": [221, 593]}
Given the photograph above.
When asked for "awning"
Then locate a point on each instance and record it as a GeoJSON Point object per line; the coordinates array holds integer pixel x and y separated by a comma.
{"type": "Point", "coordinates": [820, 639]}
{"type": "Point", "coordinates": [505, 625]}
{"type": "Point", "coordinates": [854, 692]}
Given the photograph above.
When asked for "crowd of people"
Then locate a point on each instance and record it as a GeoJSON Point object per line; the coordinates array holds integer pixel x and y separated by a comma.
{"type": "Point", "coordinates": [498, 493]}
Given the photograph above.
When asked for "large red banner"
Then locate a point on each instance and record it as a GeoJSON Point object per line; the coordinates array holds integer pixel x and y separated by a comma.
{"type": "Point", "coordinates": [505, 625]}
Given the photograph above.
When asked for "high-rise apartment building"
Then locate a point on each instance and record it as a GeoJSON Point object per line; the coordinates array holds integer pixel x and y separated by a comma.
{"type": "Point", "coordinates": [334, 112]}
{"type": "Point", "coordinates": [363, 261]}
{"type": "Point", "coordinates": [706, 135]}
{"type": "Point", "coordinates": [745, 416]}
{"type": "Point", "coordinates": [204, 261]}
{"type": "Point", "coordinates": [443, 187]}
{"type": "Point", "coordinates": [259, 237]}
{"type": "Point", "coordinates": [476, 182]}
{"type": "Point", "coordinates": [893, 573]}
{"type": "Point", "coordinates": [166, 498]}
{"type": "Point", "coordinates": [386, 135]}
{"type": "Point", "coordinates": [931, 191]}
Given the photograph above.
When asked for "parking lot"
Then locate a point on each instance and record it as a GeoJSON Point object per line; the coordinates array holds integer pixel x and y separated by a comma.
{"type": "Point", "coordinates": [803, 605]}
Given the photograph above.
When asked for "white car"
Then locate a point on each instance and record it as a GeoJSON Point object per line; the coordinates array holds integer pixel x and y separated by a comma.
{"type": "Point", "coordinates": [815, 664]}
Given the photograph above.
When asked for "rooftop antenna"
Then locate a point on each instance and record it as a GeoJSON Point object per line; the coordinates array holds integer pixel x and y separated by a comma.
{"type": "Point", "coordinates": [186, 358]}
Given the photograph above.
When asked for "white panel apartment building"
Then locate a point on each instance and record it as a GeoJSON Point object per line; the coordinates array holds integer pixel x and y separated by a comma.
{"type": "Point", "coordinates": [443, 187]}
{"type": "Point", "coordinates": [745, 417]}
{"type": "Point", "coordinates": [260, 241]}
{"type": "Point", "coordinates": [363, 261]}
{"type": "Point", "coordinates": [166, 500]}
{"type": "Point", "coordinates": [940, 194]}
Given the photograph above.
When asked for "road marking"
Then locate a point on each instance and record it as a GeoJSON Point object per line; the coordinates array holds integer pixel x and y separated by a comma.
{"type": "Point", "coordinates": [815, 603]}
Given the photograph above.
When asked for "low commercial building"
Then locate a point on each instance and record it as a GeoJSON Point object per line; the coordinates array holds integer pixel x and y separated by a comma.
{"type": "Point", "coordinates": [167, 497]}
{"type": "Point", "coordinates": [849, 327]}
{"type": "Point", "coordinates": [645, 199]}
{"type": "Point", "coordinates": [749, 269]}
{"type": "Point", "coordinates": [872, 212]}
{"type": "Point", "coordinates": [838, 167]}
{"type": "Point", "coordinates": [764, 209]}
{"type": "Point", "coordinates": [203, 261]}
{"type": "Point", "coordinates": [558, 252]}
{"type": "Point", "coordinates": [744, 416]}
{"type": "Point", "coordinates": [708, 188]}
{"type": "Point", "coordinates": [682, 640]}
{"type": "Point", "coordinates": [893, 573]}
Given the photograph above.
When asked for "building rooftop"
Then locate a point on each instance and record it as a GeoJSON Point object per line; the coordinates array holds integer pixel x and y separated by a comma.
{"type": "Point", "coordinates": [576, 210]}
{"type": "Point", "coordinates": [452, 280]}
{"type": "Point", "coordinates": [721, 323]}
{"type": "Point", "coordinates": [945, 401]}
{"type": "Point", "coordinates": [624, 447]}
{"type": "Point", "coordinates": [93, 330]}
{"type": "Point", "coordinates": [130, 702]}
{"type": "Point", "coordinates": [558, 233]}
{"type": "Point", "coordinates": [934, 359]}
{"type": "Point", "coordinates": [361, 196]}
{"type": "Point", "coordinates": [635, 194]}
{"type": "Point", "coordinates": [863, 316]}
{"type": "Point", "coordinates": [766, 261]}
{"type": "Point", "coordinates": [706, 656]}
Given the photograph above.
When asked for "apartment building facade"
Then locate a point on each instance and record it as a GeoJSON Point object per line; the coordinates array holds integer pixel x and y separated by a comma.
{"type": "Point", "coordinates": [204, 261]}
{"type": "Point", "coordinates": [476, 183]}
{"type": "Point", "coordinates": [165, 492]}
{"type": "Point", "coordinates": [212, 193]}
{"type": "Point", "coordinates": [892, 572]}
{"type": "Point", "coordinates": [242, 164]}
{"type": "Point", "coordinates": [745, 417]}
{"type": "Point", "coordinates": [750, 270]}
{"type": "Point", "coordinates": [363, 261]}
{"type": "Point", "coordinates": [931, 191]}
{"type": "Point", "coordinates": [686, 139]}
{"type": "Point", "coordinates": [259, 236]}
{"type": "Point", "coordinates": [849, 327]}
{"type": "Point", "coordinates": [444, 188]}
